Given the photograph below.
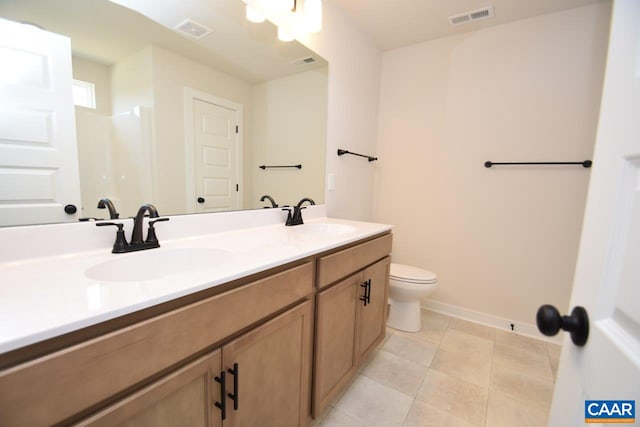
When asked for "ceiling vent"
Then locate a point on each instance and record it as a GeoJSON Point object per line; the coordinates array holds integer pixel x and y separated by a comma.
{"type": "Point", "coordinates": [304, 61]}
{"type": "Point", "coordinates": [192, 29]}
{"type": "Point", "coordinates": [476, 15]}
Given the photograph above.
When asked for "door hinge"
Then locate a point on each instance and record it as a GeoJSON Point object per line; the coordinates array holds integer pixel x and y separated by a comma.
{"type": "Point", "coordinates": [236, 128]}
{"type": "Point", "coordinates": [237, 187]}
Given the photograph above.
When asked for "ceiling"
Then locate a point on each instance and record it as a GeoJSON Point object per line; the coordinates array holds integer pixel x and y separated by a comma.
{"type": "Point", "coordinates": [396, 23]}
{"type": "Point", "coordinates": [106, 31]}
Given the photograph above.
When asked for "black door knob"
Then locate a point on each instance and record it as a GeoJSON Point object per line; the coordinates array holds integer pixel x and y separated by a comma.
{"type": "Point", "coordinates": [550, 322]}
{"type": "Point", "coordinates": [70, 209]}
{"type": "Point", "coordinates": [200, 199]}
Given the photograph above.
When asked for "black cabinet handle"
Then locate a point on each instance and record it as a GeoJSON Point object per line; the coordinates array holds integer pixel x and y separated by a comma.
{"type": "Point", "coordinates": [222, 405]}
{"type": "Point", "coordinates": [550, 322]}
{"type": "Point", "coordinates": [369, 291]}
{"type": "Point", "coordinates": [70, 209]}
{"type": "Point", "coordinates": [234, 396]}
{"type": "Point", "coordinates": [200, 199]}
{"type": "Point", "coordinates": [364, 297]}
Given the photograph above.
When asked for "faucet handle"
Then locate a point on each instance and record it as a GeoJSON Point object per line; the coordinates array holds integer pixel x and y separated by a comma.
{"type": "Point", "coordinates": [151, 232]}
{"type": "Point", "coordinates": [289, 216]}
{"type": "Point", "coordinates": [119, 246]}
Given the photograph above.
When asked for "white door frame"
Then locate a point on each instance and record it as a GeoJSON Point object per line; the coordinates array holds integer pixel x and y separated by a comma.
{"type": "Point", "coordinates": [190, 95]}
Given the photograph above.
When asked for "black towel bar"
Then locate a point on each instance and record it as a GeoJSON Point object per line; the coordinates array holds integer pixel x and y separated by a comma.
{"type": "Point", "coordinates": [586, 163]}
{"type": "Point", "coordinates": [285, 166]}
{"type": "Point", "coordinates": [370, 158]}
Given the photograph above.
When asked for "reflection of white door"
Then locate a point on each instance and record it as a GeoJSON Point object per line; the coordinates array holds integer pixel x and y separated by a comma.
{"type": "Point", "coordinates": [215, 155]}
{"type": "Point", "coordinates": [38, 154]}
{"type": "Point", "coordinates": [607, 281]}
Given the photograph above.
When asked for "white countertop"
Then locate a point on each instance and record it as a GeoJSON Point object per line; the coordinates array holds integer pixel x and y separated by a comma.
{"type": "Point", "coordinates": [47, 296]}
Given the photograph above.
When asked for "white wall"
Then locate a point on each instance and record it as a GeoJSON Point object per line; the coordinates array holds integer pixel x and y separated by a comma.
{"type": "Point", "coordinates": [131, 82]}
{"type": "Point", "coordinates": [95, 158]}
{"type": "Point", "coordinates": [503, 240]}
{"type": "Point", "coordinates": [352, 115]}
{"type": "Point", "coordinates": [288, 128]}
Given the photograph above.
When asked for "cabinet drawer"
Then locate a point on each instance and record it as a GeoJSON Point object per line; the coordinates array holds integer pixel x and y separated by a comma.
{"type": "Point", "coordinates": [55, 387]}
{"type": "Point", "coordinates": [340, 264]}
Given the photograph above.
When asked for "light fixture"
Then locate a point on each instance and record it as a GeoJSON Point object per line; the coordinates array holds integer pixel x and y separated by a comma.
{"type": "Point", "coordinates": [294, 18]}
{"type": "Point", "coordinates": [313, 15]}
{"type": "Point", "coordinates": [253, 13]}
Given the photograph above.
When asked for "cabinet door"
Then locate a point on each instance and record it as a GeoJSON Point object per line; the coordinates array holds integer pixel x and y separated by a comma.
{"type": "Point", "coordinates": [335, 357]}
{"type": "Point", "coordinates": [185, 397]}
{"type": "Point", "coordinates": [371, 317]}
{"type": "Point", "coordinates": [273, 372]}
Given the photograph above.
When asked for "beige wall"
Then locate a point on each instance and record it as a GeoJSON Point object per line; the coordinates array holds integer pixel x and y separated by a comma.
{"type": "Point", "coordinates": [503, 240]}
{"type": "Point", "coordinates": [352, 114]}
{"type": "Point", "coordinates": [289, 127]}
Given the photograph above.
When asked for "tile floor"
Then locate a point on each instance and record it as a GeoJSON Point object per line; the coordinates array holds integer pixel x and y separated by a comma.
{"type": "Point", "coordinates": [452, 373]}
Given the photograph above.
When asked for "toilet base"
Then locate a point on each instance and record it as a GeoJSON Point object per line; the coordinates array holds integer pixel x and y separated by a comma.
{"type": "Point", "coordinates": [405, 315]}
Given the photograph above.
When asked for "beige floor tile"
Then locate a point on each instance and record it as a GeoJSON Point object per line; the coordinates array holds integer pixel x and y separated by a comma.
{"type": "Point", "coordinates": [520, 341]}
{"type": "Point", "coordinates": [424, 415]}
{"type": "Point", "coordinates": [434, 325]}
{"type": "Point", "coordinates": [459, 398]}
{"type": "Point", "coordinates": [417, 351]}
{"type": "Point", "coordinates": [534, 390]}
{"type": "Point", "coordinates": [525, 362]}
{"type": "Point", "coordinates": [374, 404]}
{"type": "Point", "coordinates": [471, 367]}
{"type": "Point", "coordinates": [318, 421]}
{"type": "Point", "coordinates": [554, 351]}
{"type": "Point", "coordinates": [472, 328]}
{"type": "Point", "coordinates": [461, 342]}
{"type": "Point", "coordinates": [504, 411]}
{"type": "Point", "coordinates": [396, 372]}
{"type": "Point", "coordinates": [336, 418]}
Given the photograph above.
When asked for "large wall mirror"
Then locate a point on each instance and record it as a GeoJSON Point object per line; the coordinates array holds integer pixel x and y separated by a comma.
{"type": "Point", "coordinates": [189, 122]}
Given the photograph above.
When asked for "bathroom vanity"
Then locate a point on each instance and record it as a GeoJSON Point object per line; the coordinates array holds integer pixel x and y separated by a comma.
{"type": "Point", "coordinates": [268, 336]}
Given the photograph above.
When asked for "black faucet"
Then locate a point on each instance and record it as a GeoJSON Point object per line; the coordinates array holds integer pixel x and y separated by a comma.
{"type": "Point", "coordinates": [106, 203]}
{"type": "Point", "coordinates": [136, 235]}
{"type": "Point", "coordinates": [273, 202]}
{"type": "Point", "coordinates": [137, 244]}
{"type": "Point", "coordinates": [296, 217]}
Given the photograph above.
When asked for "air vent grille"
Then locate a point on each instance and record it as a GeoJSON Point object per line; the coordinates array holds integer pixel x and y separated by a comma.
{"type": "Point", "coordinates": [474, 15]}
{"type": "Point", "coordinates": [192, 29]}
{"type": "Point", "coordinates": [306, 60]}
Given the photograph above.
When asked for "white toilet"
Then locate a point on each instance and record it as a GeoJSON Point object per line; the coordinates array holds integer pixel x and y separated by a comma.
{"type": "Point", "coordinates": [407, 285]}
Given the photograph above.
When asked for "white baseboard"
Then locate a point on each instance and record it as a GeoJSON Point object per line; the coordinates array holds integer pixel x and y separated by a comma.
{"type": "Point", "coordinates": [527, 329]}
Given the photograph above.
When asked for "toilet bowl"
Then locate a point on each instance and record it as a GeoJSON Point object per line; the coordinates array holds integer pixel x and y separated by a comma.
{"type": "Point", "coordinates": [407, 285]}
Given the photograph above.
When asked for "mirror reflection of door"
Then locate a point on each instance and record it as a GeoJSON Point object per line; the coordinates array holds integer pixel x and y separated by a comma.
{"type": "Point", "coordinates": [216, 155]}
{"type": "Point", "coordinates": [39, 180]}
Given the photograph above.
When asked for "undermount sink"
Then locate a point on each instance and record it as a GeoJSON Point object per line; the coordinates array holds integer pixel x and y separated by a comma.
{"type": "Point", "coordinates": [324, 229]}
{"type": "Point", "coordinates": [155, 264]}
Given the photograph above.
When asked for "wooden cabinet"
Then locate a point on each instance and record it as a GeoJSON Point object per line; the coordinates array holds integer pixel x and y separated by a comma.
{"type": "Point", "coordinates": [372, 320]}
{"type": "Point", "coordinates": [185, 397]}
{"type": "Point", "coordinates": [350, 315]}
{"type": "Point", "coordinates": [167, 368]}
{"type": "Point", "coordinates": [71, 383]}
{"type": "Point", "coordinates": [335, 353]}
{"type": "Point", "coordinates": [266, 382]}
{"type": "Point", "coordinates": [273, 372]}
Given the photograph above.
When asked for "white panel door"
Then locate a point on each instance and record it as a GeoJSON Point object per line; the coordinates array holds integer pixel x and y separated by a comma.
{"type": "Point", "coordinates": [216, 157]}
{"type": "Point", "coordinates": [38, 154]}
{"type": "Point", "coordinates": [607, 280]}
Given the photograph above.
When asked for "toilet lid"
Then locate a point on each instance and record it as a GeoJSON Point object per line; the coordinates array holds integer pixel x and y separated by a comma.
{"type": "Point", "coordinates": [410, 274]}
